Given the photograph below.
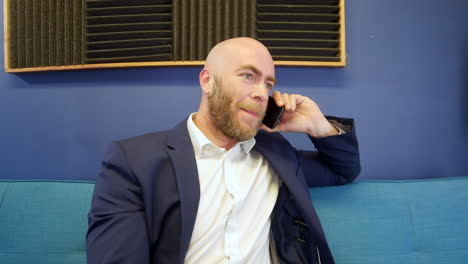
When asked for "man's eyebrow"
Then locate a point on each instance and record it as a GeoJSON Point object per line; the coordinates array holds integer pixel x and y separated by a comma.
{"type": "Point", "coordinates": [256, 71]}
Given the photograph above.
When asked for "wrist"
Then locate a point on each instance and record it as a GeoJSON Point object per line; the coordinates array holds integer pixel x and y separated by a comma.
{"type": "Point", "coordinates": [321, 129]}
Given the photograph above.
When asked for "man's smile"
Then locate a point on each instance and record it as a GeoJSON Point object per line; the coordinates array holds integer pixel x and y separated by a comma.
{"type": "Point", "coordinates": [252, 113]}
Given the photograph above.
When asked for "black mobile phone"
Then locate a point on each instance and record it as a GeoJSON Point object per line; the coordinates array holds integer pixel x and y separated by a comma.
{"type": "Point", "coordinates": [273, 114]}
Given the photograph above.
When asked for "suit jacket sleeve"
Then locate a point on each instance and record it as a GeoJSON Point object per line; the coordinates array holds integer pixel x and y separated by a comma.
{"type": "Point", "coordinates": [117, 230]}
{"type": "Point", "coordinates": [337, 160]}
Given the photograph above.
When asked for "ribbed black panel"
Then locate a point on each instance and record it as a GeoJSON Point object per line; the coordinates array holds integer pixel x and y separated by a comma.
{"type": "Point", "coordinates": [200, 24]}
{"type": "Point", "coordinates": [44, 29]}
{"type": "Point", "coordinates": [68, 33]}
{"type": "Point", "coordinates": [13, 8]}
{"type": "Point", "coordinates": [52, 38]}
{"type": "Point", "coordinates": [128, 35]}
{"type": "Point", "coordinates": [300, 30]}
{"type": "Point", "coordinates": [125, 3]}
{"type": "Point", "coordinates": [29, 38]}
{"type": "Point", "coordinates": [142, 58]}
{"type": "Point", "coordinates": [128, 31]}
{"type": "Point", "coordinates": [45, 33]}
{"type": "Point", "coordinates": [332, 44]}
{"type": "Point", "coordinates": [108, 28]}
{"type": "Point", "coordinates": [77, 57]}
{"type": "Point", "coordinates": [20, 33]}
{"type": "Point", "coordinates": [300, 2]}
{"type": "Point", "coordinates": [263, 25]}
{"type": "Point", "coordinates": [129, 52]}
{"type": "Point", "coordinates": [60, 36]}
{"type": "Point", "coordinates": [298, 34]}
{"type": "Point", "coordinates": [129, 10]}
{"type": "Point", "coordinates": [131, 43]}
{"type": "Point", "coordinates": [36, 29]}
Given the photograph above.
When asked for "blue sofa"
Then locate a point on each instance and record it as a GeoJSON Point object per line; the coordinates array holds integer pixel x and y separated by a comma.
{"type": "Point", "coordinates": [419, 221]}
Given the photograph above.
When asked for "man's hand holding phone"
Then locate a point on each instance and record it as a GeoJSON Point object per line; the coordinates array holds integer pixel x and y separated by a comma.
{"type": "Point", "coordinates": [301, 114]}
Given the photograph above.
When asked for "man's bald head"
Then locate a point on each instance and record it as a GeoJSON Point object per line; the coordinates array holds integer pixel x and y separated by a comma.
{"type": "Point", "coordinates": [236, 51]}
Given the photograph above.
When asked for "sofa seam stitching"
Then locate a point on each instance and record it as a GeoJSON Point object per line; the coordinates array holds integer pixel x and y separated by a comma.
{"type": "Point", "coordinates": [4, 194]}
{"type": "Point", "coordinates": [410, 212]}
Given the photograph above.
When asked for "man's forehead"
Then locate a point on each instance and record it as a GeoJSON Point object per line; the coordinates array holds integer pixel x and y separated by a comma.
{"type": "Point", "coordinates": [232, 54]}
{"type": "Point", "coordinates": [259, 60]}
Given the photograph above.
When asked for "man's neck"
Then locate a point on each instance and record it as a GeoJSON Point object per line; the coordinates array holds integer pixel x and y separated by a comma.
{"type": "Point", "coordinates": [212, 132]}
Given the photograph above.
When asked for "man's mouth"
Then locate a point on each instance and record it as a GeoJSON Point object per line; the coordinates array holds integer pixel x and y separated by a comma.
{"type": "Point", "coordinates": [252, 113]}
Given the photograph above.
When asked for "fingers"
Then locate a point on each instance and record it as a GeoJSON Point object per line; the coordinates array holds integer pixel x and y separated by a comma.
{"type": "Point", "coordinates": [278, 98]}
{"type": "Point", "coordinates": [267, 129]}
{"type": "Point", "coordinates": [278, 128]}
{"type": "Point", "coordinates": [289, 101]}
{"type": "Point", "coordinates": [293, 102]}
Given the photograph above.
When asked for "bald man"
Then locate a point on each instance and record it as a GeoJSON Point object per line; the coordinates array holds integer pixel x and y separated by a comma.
{"type": "Point", "coordinates": [216, 189]}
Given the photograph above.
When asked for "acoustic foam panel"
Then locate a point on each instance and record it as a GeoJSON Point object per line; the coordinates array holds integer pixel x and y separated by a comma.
{"type": "Point", "coordinates": [300, 30]}
{"type": "Point", "coordinates": [77, 32]}
{"type": "Point", "coordinates": [200, 24]}
{"type": "Point", "coordinates": [128, 31]}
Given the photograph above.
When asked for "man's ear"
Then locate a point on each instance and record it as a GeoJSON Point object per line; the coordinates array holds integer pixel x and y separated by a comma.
{"type": "Point", "coordinates": [205, 80]}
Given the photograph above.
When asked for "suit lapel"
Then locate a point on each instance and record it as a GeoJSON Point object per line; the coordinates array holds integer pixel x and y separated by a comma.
{"type": "Point", "coordinates": [282, 158]}
{"type": "Point", "coordinates": [275, 154]}
{"type": "Point", "coordinates": [180, 151]}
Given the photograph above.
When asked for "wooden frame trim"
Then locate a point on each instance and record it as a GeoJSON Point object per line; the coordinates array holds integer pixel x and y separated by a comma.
{"type": "Point", "coordinates": [6, 34]}
{"type": "Point", "coordinates": [342, 34]}
{"type": "Point", "coordinates": [159, 64]}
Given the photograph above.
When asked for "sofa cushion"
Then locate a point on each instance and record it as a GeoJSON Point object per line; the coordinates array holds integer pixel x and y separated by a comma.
{"type": "Point", "coordinates": [43, 221]}
{"type": "Point", "coordinates": [418, 221]}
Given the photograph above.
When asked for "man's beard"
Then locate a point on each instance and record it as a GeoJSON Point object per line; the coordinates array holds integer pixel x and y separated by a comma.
{"type": "Point", "coordinates": [223, 112]}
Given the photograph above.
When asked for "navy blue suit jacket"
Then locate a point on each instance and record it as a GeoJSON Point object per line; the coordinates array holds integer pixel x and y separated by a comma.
{"type": "Point", "coordinates": [146, 196]}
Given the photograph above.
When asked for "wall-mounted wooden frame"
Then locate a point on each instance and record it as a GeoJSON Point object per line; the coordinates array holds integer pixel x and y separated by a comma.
{"type": "Point", "coordinates": [49, 35]}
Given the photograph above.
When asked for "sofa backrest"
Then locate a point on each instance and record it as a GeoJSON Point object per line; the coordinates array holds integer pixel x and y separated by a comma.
{"type": "Point", "coordinates": [43, 221]}
{"type": "Point", "coordinates": [423, 221]}
{"type": "Point", "coordinates": [418, 221]}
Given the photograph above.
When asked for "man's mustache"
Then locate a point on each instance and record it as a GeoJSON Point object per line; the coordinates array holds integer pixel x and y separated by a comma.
{"type": "Point", "coordinates": [252, 107]}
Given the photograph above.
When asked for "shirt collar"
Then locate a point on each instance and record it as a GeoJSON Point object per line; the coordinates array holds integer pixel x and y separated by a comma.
{"type": "Point", "coordinates": [202, 146]}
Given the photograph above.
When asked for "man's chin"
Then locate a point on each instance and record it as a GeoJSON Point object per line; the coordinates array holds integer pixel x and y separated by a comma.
{"type": "Point", "coordinates": [250, 125]}
{"type": "Point", "coordinates": [243, 128]}
{"type": "Point", "coordinates": [249, 132]}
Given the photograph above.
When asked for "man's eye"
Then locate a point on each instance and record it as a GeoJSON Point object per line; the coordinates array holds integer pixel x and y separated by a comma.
{"type": "Point", "coordinates": [249, 76]}
{"type": "Point", "coordinates": [269, 86]}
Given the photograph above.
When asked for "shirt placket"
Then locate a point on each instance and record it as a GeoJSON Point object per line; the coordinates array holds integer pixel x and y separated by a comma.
{"type": "Point", "coordinates": [232, 243]}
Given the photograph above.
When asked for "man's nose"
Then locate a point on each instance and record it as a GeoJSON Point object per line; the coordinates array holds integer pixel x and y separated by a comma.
{"type": "Point", "coordinates": [260, 92]}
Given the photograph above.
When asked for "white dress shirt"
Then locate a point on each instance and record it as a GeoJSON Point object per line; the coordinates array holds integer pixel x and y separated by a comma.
{"type": "Point", "coordinates": [238, 190]}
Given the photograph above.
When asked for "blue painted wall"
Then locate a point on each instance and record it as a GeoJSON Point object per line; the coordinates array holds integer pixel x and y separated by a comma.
{"type": "Point", "coordinates": [406, 85]}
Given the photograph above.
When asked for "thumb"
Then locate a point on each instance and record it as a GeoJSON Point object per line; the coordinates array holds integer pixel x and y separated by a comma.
{"type": "Point", "coordinates": [278, 128]}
